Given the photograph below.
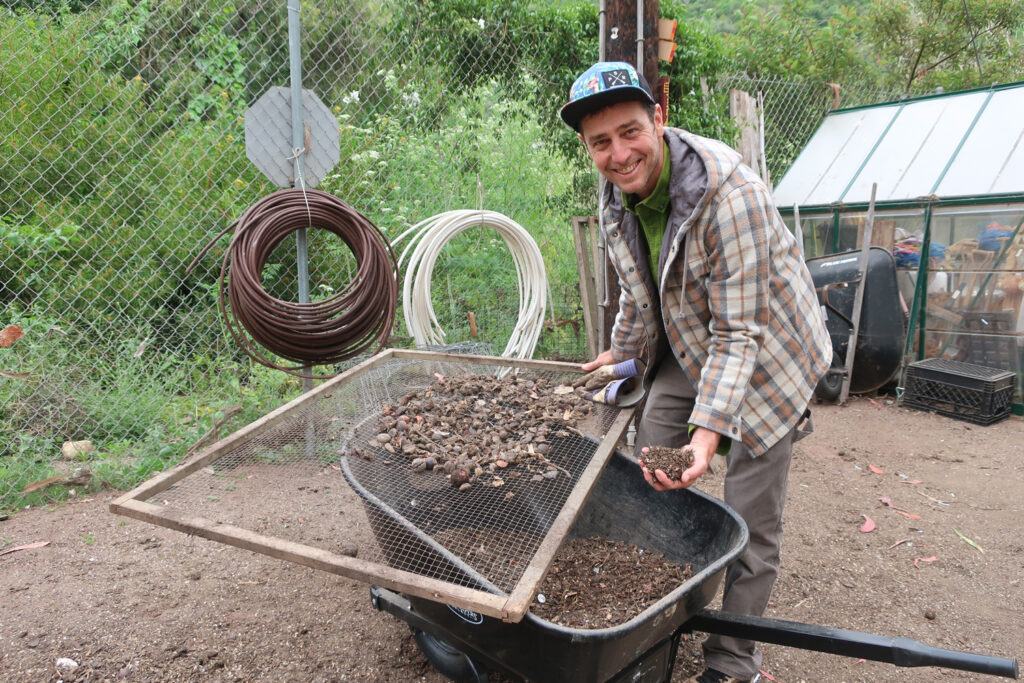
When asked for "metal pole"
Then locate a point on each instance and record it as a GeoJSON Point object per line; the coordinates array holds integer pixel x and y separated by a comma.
{"type": "Point", "coordinates": [298, 151]}
{"type": "Point", "coordinates": [640, 36]}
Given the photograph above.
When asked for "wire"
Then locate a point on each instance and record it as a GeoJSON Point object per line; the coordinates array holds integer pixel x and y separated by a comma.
{"type": "Point", "coordinates": [344, 325]}
{"type": "Point", "coordinates": [428, 237]}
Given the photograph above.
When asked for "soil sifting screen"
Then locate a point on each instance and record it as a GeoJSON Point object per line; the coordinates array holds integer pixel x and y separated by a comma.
{"type": "Point", "coordinates": [450, 477]}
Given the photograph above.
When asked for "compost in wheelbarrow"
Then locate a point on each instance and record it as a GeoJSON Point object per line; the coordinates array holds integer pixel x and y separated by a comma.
{"type": "Point", "coordinates": [687, 527]}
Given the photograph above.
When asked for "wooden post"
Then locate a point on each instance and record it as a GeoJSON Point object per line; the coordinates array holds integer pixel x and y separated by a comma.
{"type": "Point", "coordinates": [584, 241]}
{"type": "Point", "coordinates": [743, 111]}
{"type": "Point", "coordinates": [858, 297]}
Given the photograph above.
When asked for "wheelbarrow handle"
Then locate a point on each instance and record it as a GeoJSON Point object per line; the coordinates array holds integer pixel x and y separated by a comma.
{"type": "Point", "coordinates": [894, 650]}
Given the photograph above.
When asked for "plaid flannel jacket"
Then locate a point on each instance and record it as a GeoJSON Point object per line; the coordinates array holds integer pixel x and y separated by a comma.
{"type": "Point", "coordinates": [737, 302]}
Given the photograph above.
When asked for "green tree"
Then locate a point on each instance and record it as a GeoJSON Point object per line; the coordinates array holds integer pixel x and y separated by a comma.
{"type": "Point", "coordinates": [955, 44]}
{"type": "Point", "coordinates": [790, 40]}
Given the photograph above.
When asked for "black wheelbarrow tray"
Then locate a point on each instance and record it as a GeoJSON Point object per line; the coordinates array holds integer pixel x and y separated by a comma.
{"type": "Point", "coordinates": [688, 527]}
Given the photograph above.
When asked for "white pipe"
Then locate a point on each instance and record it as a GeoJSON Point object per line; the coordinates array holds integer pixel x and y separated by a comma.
{"type": "Point", "coordinates": [430, 236]}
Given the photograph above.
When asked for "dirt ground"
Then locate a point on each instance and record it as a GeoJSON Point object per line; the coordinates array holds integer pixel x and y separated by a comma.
{"type": "Point", "coordinates": [126, 600]}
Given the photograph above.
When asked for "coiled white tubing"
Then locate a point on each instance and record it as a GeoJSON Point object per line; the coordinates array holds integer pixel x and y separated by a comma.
{"type": "Point", "coordinates": [428, 237]}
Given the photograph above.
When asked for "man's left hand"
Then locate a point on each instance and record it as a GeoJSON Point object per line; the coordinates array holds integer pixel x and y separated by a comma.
{"type": "Point", "coordinates": [703, 443]}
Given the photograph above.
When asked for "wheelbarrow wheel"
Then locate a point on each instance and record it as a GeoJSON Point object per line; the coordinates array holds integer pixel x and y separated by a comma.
{"type": "Point", "coordinates": [831, 384]}
{"type": "Point", "coordinates": [449, 660]}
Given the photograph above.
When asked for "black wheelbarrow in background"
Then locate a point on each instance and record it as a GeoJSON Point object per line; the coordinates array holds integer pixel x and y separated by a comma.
{"type": "Point", "coordinates": [881, 331]}
{"type": "Point", "coordinates": [688, 527]}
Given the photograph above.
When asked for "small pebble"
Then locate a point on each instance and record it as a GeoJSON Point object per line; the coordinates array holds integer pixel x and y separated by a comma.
{"type": "Point", "coordinates": [66, 665]}
{"type": "Point", "coordinates": [929, 614]}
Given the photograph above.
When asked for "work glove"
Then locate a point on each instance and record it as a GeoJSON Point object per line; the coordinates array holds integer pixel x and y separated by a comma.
{"type": "Point", "coordinates": [613, 384]}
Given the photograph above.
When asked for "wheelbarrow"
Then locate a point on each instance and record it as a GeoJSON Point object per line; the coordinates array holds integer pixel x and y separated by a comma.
{"type": "Point", "coordinates": [882, 329]}
{"type": "Point", "coordinates": [688, 527]}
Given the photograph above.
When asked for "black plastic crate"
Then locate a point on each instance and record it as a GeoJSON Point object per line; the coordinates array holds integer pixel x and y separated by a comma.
{"type": "Point", "coordinates": [964, 391]}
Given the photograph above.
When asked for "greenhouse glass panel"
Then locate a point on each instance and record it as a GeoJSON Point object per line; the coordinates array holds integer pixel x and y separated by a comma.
{"type": "Point", "coordinates": [910, 159]}
{"type": "Point", "coordinates": [824, 168]}
{"type": "Point", "coordinates": [818, 232]}
{"type": "Point", "coordinates": [991, 160]}
{"type": "Point", "coordinates": [975, 296]}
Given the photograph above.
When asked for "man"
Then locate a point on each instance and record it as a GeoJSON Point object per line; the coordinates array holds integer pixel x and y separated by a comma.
{"type": "Point", "coordinates": [716, 295]}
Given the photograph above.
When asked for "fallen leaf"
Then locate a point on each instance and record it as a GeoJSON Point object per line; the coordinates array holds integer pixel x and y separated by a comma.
{"type": "Point", "coordinates": [924, 559]}
{"type": "Point", "coordinates": [767, 675]}
{"type": "Point", "coordinates": [28, 546]}
{"type": "Point", "coordinates": [868, 526]}
{"type": "Point", "coordinates": [876, 470]}
{"type": "Point", "coordinates": [934, 500]}
{"type": "Point", "coordinates": [899, 542]}
{"type": "Point", "coordinates": [969, 541]}
{"type": "Point", "coordinates": [562, 389]}
{"type": "Point", "coordinates": [10, 334]}
{"type": "Point", "coordinates": [888, 503]}
{"type": "Point", "coordinates": [913, 481]}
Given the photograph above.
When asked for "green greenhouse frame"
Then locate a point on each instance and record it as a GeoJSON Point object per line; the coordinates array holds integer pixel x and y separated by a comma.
{"type": "Point", "coordinates": [948, 174]}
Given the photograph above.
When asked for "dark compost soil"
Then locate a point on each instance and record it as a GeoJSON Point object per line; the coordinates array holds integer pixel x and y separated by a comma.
{"type": "Point", "coordinates": [597, 582]}
{"type": "Point", "coordinates": [672, 461]}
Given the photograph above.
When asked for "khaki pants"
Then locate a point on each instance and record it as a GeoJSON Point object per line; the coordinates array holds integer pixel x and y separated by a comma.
{"type": "Point", "coordinates": [754, 487]}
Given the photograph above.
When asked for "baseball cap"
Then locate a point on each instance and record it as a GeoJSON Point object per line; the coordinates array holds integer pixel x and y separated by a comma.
{"type": "Point", "coordinates": [601, 85]}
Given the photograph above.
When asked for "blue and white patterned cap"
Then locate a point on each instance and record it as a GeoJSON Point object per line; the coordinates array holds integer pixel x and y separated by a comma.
{"type": "Point", "coordinates": [601, 85]}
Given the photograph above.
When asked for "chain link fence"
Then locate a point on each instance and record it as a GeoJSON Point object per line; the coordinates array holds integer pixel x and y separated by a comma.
{"type": "Point", "coordinates": [793, 109]}
{"type": "Point", "coordinates": [123, 154]}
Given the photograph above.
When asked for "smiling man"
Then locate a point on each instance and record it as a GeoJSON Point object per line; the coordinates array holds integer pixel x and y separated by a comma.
{"type": "Point", "coordinates": [717, 298]}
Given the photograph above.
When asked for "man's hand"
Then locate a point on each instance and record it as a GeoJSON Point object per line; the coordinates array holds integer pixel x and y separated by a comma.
{"type": "Point", "coordinates": [703, 442]}
{"type": "Point", "coordinates": [603, 370]}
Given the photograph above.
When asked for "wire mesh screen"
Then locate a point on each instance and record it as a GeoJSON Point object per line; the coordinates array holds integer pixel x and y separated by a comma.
{"type": "Point", "coordinates": [460, 466]}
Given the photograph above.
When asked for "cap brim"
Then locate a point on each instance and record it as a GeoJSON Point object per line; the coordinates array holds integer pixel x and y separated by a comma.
{"type": "Point", "coordinates": [573, 112]}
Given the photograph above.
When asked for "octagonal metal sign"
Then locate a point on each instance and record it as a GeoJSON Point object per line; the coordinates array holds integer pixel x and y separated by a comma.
{"type": "Point", "coordinates": [268, 138]}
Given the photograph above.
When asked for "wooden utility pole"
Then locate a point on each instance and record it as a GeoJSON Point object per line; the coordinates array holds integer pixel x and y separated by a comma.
{"type": "Point", "coordinates": [621, 45]}
{"type": "Point", "coordinates": [621, 35]}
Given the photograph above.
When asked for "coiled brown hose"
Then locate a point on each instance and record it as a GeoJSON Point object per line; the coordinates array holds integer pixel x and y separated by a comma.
{"type": "Point", "coordinates": [340, 327]}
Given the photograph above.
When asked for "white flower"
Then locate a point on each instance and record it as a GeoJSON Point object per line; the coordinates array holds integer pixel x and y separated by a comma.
{"type": "Point", "coordinates": [351, 98]}
{"type": "Point", "coordinates": [481, 24]}
{"type": "Point", "coordinates": [411, 99]}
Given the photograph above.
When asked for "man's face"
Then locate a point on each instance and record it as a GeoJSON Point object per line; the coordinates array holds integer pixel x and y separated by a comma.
{"type": "Point", "coordinates": [625, 145]}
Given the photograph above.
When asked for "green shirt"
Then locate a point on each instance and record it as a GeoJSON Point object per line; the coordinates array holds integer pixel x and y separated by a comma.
{"type": "Point", "coordinates": [652, 212]}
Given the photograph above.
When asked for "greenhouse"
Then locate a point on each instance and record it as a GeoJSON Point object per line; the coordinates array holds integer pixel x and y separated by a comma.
{"type": "Point", "coordinates": [948, 178]}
